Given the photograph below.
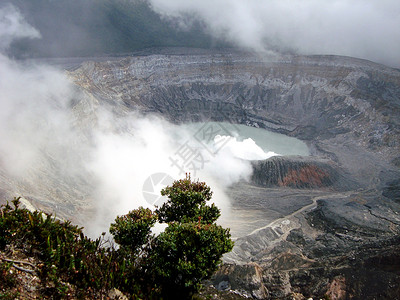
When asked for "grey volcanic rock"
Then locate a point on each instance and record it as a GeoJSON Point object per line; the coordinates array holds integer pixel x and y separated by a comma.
{"type": "Point", "coordinates": [308, 97]}
{"type": "Point", "coordinates": [392, 190]}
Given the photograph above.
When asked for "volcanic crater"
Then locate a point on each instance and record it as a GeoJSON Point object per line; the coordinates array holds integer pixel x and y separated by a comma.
{"type": "Point", "coordinates": [325, 224]}
{"type": "Point", "coordinates": [311, 222]}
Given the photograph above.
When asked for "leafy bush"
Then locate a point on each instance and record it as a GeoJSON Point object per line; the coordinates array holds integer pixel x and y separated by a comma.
{"type": "Point", "coordinates": [188, 251]}
{"type": "Point", "coordinates": [67, 254]}
{"type": "Point", "coordinates": [133, 229]}
{"type": "Point", "coordinates": [169, 265]}
{"type": "Point", "coordinates": [187, 203]}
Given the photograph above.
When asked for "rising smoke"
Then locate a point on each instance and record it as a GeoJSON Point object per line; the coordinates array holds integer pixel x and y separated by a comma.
{"type": "Point", "coordinates": [358, 28]}
{"type": "Point", "coordinates": [60, 146]}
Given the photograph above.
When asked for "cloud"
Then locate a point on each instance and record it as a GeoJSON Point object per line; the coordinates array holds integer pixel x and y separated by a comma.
{"type": "Point", "coordinates": [33, 111]}
{"type": "Point", "coordinates": [246, 149]}
{"type": "Point", "coordinates": [359, 28]}
{"type": "Point", "coordinates": [13, 26]}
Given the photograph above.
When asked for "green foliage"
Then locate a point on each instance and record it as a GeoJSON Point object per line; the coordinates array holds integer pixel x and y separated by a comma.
{"type": "Point", "coordinates": [67, 254]}
{"type": "Point", "coordinates": [133, 229]}
{"type": "Point", "coordinates": [187, 203]}
{"type": "Point", "coordinates": [185, 254]}
{"type": "Point", "coordinates": [189, 250]}
{"type": "Point", "coordinates": [170, 265]}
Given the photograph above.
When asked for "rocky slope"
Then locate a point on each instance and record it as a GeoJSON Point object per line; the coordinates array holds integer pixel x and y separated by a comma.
{"type": "Point", "coordinates": [307, 97]}
{"type": "Point", "coordinates": [327, 224]}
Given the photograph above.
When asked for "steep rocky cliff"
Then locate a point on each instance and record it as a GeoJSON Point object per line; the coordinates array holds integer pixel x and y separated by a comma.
{"type": "Point", "coordinates": [308, 97]}
{"type": "Point", "coordinates": [323, 225]}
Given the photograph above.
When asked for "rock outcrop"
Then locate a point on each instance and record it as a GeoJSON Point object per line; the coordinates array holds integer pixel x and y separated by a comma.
{"type": "Point", "coordinates": [300, 173]}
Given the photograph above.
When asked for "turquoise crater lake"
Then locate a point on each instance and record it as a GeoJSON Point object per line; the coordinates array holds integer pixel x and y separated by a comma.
{"type": "Point", "coordinates": [268, 141]}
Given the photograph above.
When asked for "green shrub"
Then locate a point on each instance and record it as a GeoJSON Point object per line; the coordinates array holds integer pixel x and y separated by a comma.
{"type": "Point", "coordinates": [169, 265]}
{"type": "Point", "coordinates": [187, 203]}
{"type": "Point", "coordinates": [189, 250]}
{"type": "Point", "coordinates": [187, 253]}
{"type": "Point", "coordinates": [133, 229]}
{"type": "Point", "coordinates": [8, 282]}
{"type": "Point", "coordinates": [67, 254]}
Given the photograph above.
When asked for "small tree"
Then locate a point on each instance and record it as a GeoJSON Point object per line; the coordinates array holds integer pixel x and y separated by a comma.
{"type": "Point", "coordinates": [187, 253]}
{"type": "Point", "coordinates": [132, 230]}
{"type": "Point", "coordinates": [191, 247]}
{"type": "Point", "coordinates": [187, 202]}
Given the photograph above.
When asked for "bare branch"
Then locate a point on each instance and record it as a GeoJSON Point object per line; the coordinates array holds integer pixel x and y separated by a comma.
{"type": "Point", "coordinates": [23, 269]}
{"type": "Point", "coordinates": [19, 262]}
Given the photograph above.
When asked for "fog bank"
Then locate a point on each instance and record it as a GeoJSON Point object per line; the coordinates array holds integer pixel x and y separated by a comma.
{"type": "Point", "coordinates": [358, 28]}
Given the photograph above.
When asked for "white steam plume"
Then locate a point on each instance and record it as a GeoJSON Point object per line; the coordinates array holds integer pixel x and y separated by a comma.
{"type": "Point", "coordinates": [33, 101]}
{"type": "Point", "coordinates": [123, 161]}
{"type": "Point", "coordinates": [71, 152]}
{"type": "Point", "coordinates": [359, 28]}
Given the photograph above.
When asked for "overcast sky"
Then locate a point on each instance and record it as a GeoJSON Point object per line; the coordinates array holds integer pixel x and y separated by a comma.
{"type": "Point", "coordinates": [13, 26]}
{"type": "Point", "coordinates": [367, 29]}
